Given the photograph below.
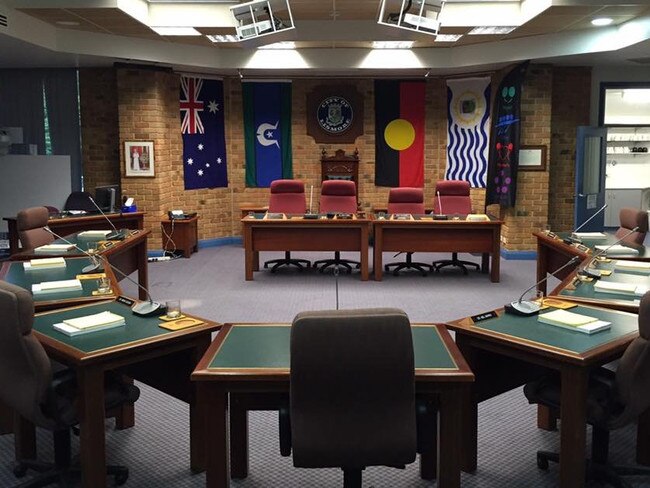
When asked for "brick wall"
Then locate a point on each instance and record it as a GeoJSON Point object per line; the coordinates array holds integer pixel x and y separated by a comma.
{"type": "Point", "coordinates": [571, 106]}
{"type": "Point", "coordinates": [147, 103]}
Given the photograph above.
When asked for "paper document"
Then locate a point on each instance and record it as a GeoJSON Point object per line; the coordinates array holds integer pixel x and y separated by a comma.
{"type": "Point", "coordinates": [45, 263]}
{"type": "Point", "coordinates": [632, 265]}
{"type": "Point", "coordinates": [54, 286]}
{"type": "Point", "coordinates": [590, 235]}
{"type": "Point", "coordinates": [617, 250]}
{"type": "Point", "coordinates": [574, 321]}
{"type": "Point", "coordinates": [615, 287]}
{"type": "Point", "coordinates": [73, 331]}
{"type": "Point", "coordinates": [54, 248]}
{"type": "Point", "coordinates": [96, 320]}
{"type": "Point", "coordinates": [94, 233]}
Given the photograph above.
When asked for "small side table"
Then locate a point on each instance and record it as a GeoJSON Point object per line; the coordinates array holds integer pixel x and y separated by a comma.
{"type": "Point", "coordinates": [185, 234]}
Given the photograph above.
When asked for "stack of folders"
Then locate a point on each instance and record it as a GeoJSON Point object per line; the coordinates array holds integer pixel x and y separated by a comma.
{"type": "Point", "coordinates": [44, 263]}
{"type": "Point", "coordinates": [573, 321]}
{"type": "Point", "coordinates": [56, 286]}
{"type": "Point", "coordinates": [617, 250]}
{"type": "Point", "coordinates": [94, 234]}
{"type": "Point", "coordinates": [634, 266]}
{"type": "Point", "coordinates": [90, 323]}
{"type": "Point", "coordinates": [620, 288]}
{"type": "Point", "coordinates": [55, 248]}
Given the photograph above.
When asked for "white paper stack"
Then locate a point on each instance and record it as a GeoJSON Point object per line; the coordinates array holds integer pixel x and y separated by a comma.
{"type": "Point", "coordinates": [54, 248]}
{"type": "Point", "coordinates": [590, 235]}
{"type": "Point", "coordinates": [44, 263]}
{"type": "Point", "coordinates": [90, 323]}
{"type": "Point", "coordinates": [615, 287]}
{"type": "Point", "coordinates": [56, 286]}
{"type": "Point", "coordinates": [94, 233]}
{"type": "Point", "coordinates": [617, 250]}
{"type": "Point", "coordinates": [637, 266]}
{"type": "Point", "coordinates": [574, 321]}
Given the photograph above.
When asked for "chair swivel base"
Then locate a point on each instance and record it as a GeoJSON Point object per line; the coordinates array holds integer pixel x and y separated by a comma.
{"type": "Point", "coordinates": [287, 261]}
{"type": "Point", "coordinates": [423, 268]}
{"type": "Point", "coordinates": [454, 261]}
{"type": "Point", "coordinates": [606, 473]}
{"type": "Point", "coordinates": [323, 264]}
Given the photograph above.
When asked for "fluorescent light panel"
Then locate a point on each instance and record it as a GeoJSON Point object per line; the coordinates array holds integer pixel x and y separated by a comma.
{"type": "Point", "coordinates": [392, 44]}
{"type": "Point", "coordinates": [601, 21]}
{"type": "Point", "coordinates": [447, 37]}
{"type": "Point", "coordinates": [223, 38]}
{"type": "Point", "coordinates": [176, 31]}
{"type": "Point", "coordinates": [279, 45]}
{"type": "Point", "coordinates": [488, 30]}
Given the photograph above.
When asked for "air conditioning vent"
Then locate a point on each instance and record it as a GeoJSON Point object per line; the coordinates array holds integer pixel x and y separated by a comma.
{"type": "Point", "coordinates": [640, 60]}
{"type": "Point", "coordinates": [3, 20]}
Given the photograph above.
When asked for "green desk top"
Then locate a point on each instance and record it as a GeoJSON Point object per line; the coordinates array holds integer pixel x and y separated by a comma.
{"type": "Point", "coordinates": [18, 276]}
{"type": "Point", "coordinates": [267, 347]}
{"type": "Point", "coordinates": [136, 328]}
{"type": "Point", "coordinates": [643, 251]}
{"type": "Point", "coordinates": [82, 242]}
{"type": "Point", "coordinates": [528, 328]}
{"type": "Point", "coordinates": [585, 289]}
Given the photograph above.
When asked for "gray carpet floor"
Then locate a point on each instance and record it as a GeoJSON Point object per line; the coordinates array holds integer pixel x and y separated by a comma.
{"type": "Point", "coordinates": [211, 284]}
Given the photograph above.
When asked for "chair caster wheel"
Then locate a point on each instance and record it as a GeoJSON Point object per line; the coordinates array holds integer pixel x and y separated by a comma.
{"type": "Point", "coordinates": [120, 479]}
{"type": "Point", "coordinates": [20, 470]}
{"type": "Point", "coordinates": [542, 462]}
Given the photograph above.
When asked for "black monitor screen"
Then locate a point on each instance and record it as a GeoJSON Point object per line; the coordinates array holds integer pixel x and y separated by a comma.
{"type": "Point", "coordinates": [108, 197]}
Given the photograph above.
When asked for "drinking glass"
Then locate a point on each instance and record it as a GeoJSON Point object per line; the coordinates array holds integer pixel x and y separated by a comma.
{"type": "Point", "coordinates": [173, 309]}
{"type": "Point", "coordinates": [103, 285]}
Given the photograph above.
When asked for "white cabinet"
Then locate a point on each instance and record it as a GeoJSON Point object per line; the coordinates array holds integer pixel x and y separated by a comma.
{"type": "Point", "coordinates": [618, 199]}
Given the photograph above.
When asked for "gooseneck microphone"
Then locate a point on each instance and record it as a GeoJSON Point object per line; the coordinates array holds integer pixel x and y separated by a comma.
{"type": "Point", "coordinates": [572, 237]}
{"type": "Point", "coordinates": [143, 309]}
{"type": "Point", "coordinates": [597, 273]}
{"type": "Point", "coordinates": [526, 307]}
{"type": "Point", "coordinates": [439, 215]}
{"type": "Point", "coordinates": [116, 235]}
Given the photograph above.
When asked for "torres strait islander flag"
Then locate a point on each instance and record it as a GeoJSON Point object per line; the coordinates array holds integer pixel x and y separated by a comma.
{"type": "Point", "coordinates": [399, 133]}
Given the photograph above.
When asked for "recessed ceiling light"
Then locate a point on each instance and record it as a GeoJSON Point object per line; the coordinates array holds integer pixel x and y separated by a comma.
{"type": "Point", "coordinates": [176, 31]}
{"type": "Point", "coordinates": [223, 38]}
{"type": "Point", "coordinates": [392, 44]}
{"type": "Point", "coordinates": [280, 45]}
{"type": "Point", "coordinates": [601, 21]}
{"type": "Point", "coordinates": [490, 30]}
{"type": "Point", "coordinates": [67, 22]}
{"type": "Point", "coordinates": [447, 37]}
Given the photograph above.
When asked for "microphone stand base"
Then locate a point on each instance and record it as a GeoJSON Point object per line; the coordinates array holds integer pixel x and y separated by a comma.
{"type": "Point", "coordinates": [92, 268]}
{"type": "Point", "coordinates": [523, 309]}
{"type": "Point", "coordinates": [591, 273]}
{"type": "Point", "coordinates": [148, 309]}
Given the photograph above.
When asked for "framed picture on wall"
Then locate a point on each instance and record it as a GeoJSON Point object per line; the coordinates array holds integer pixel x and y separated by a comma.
{"type": "Point", "coordinates": [532, 158]}
{"type": "Point", "coordinates": [138, 158]}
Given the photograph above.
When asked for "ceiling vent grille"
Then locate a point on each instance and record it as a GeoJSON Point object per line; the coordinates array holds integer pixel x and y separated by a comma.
{"type": "Point", "coordinates": [3, 20]}
{"type": "Point", "coordinates": [640, 60]}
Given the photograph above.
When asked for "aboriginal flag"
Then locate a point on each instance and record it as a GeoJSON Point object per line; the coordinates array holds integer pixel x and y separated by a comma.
{"type": "Point", "coordinates": [399, 133]}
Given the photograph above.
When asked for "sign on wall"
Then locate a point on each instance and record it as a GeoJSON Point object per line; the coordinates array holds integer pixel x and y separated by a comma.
{"type": "Point", "coordinates": [334, 114]}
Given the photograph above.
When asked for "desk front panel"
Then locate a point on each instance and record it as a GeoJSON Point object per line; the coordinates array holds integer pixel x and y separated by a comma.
{"type": "Point", "coordinates": [310, 238]}
{"type": "Point", "coordinates": [416, 237]}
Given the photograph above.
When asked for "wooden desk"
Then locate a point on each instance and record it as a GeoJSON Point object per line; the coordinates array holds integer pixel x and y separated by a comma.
{"type": "Point", "coordinates": [14, 272]}
{"type": "Point", "coordinates": [183, 234]}
{"type": "Point", "coordinates": [427, 235]}
{"type": "Point", "coordinates": [299, 234]}
{"type": "Point", "coordinates": [553, 253]}
{"type": "Point", "coordinates": [509, 351]}
{"type": "Point", "coordinates": [233, 365]}
{"type": "Point", "coordinates": [158, 357]}
{"type": "Point", "coordinates": [65, 225]}
{"type": "Point", "coordinates": [127, 255]}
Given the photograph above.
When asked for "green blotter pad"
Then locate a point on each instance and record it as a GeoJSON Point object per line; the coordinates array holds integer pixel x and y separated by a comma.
{"type": "Point", "coordinates": [136, 328]}
{"type": "Point", "coordinates": [528, 328]}
{"type": "Point", "coordinates": [585, 289]}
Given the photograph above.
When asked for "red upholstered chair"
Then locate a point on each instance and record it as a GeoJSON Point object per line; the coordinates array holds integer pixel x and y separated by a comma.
{"type": "Point", "coordinates": [30, 223]}
{"type": "Point", "coordinates": [631, 218]}
{"type": "Point", "coordinates": [287, 196]}
{"type": "Point", "coordinates": [454, 199]}
{"type": "Point", "coordinates": [338, 196]}
{"type": "Point", "coordinates": [407, 201]}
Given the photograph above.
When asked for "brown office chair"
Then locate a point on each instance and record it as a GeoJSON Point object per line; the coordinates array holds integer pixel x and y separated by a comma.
{"type": "Point", "coordinates": [631, 218]}
{"type": "Point", "coordinates": [287, 196]}
{"type": "Point", "coordinates": [407, 201]}
{"type": "Point", "coordinates": [48, 400]}
{"type": "Point", "coordinates": [337, 196]}
{"type": "Point", "coordinates": [454, 199]}
{"type": "Point", "coordinates": [614, 399]}
{"type": "Point", "coordinates": [351, 405]}
{"type": "Point", "coordinates": [30, 223]}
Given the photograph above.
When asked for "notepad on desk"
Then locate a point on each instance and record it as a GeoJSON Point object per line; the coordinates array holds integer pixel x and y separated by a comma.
{"type": "Point", "coordinates": [54, 248]}
{"type": "Point", "coordinates": [590, 235]}
{"type": "Point", "coordinates": [56, 286]}
{"type": "Point", "coordinates": [44, 263]}
{"type": "Point", "coordinates": [573, 321]}
{"type": "Point", "coordinates": [616, 250]}
{"type": "Point", "coordinates": [90, 323]}
{"type": "Point", "coordinates": [94, 233]}
{"type": "Point", "coordinates": [477, 218]}
{"type": "Point", "coordinates": [638, 266]}
{"type": "Point", "coordinates": [620, 288]}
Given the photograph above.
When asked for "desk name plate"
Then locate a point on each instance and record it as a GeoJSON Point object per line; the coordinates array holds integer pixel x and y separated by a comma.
{"type": "Point", "coordinates": [484, 316]}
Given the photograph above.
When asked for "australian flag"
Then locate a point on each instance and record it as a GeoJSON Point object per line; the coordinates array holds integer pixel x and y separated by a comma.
{"type": "Point", "coordinates": [204, 140]}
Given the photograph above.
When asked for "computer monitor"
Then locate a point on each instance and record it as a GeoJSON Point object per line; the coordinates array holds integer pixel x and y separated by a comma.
{"type": "Point", "coordinates": [107, 197]}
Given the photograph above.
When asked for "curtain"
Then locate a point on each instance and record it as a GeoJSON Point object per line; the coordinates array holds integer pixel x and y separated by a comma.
{"type": "Point", "coordinates": [21, 104]}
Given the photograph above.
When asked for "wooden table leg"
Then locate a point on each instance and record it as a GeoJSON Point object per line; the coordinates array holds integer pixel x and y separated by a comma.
{"type": "Point", "coordinates": [248, 252]}
{"type": "Point", "coordinates": [24, 438]}
{"type": "Point", "coordinates": [495, 271]}
{"type": "Point", "coordinates": [449, 442]}
{"type": "Point", "coordinates": [125, 418]}
{"type": "Point", "coordinates": [92, 443]}
{"type": "Point", "coordinates": [377, 253]}
{"type": "Point", "coordinates": [363, 251]}
{"type": "Point", "coordinates": [198, 412]}
{"type": "Point", "coordinates": [143, 269]}
{"type": "Point", "coordinates": [238, 439]}
{"type": "Point", "coordinates": [217, 465]}
{"type": "Point", "coordinates": [546, 418]}
{"type": "Point", "coordinates": [643, 439]}
{"type": "Point", "coordinates": [485, 262]}
{"type": "Point", "coordinates": [469, 412]}
{"type": "Point", "coordinates": [573, 431]}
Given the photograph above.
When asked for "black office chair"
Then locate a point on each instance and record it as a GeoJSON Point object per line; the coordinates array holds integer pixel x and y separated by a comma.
{"type": "Point", "coordinates": [614, 399]}
{"type": "Point", "coordinates": [48, 400]}
{"type": "Point", "coordinates": [352, 398]}
{"type": "Point", "coordinates": [79, 200]}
